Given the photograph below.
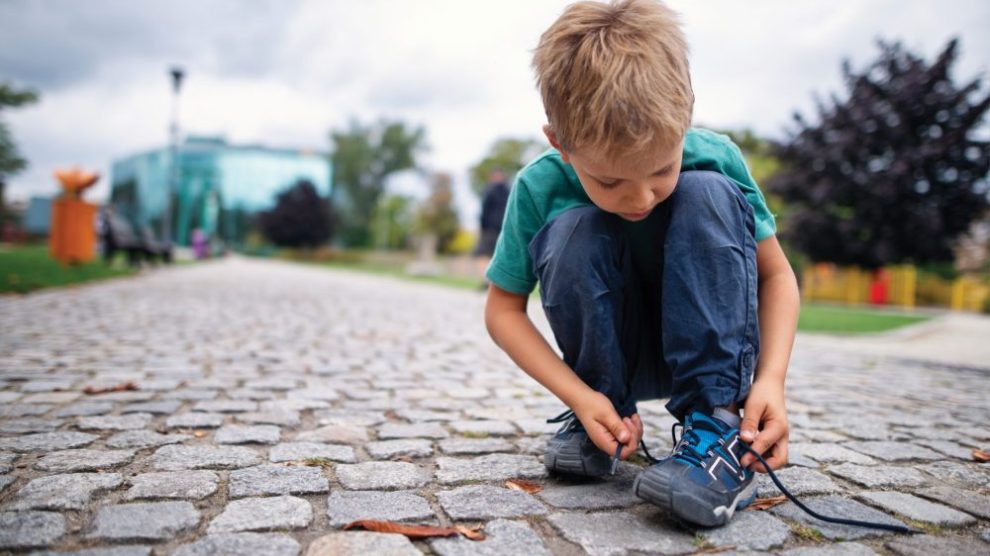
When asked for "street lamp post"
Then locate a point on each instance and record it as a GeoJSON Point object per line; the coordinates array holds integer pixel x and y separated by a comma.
{"type": "Point", "coordinates": [173, 181]}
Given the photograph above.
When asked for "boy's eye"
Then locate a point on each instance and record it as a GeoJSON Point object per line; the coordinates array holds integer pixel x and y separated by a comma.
{"type": "Point", "coordinates": [608, 184]}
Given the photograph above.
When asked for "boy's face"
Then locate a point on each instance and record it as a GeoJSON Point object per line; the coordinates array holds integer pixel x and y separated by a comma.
{"type": "Point", "coordinates": [630, 187]}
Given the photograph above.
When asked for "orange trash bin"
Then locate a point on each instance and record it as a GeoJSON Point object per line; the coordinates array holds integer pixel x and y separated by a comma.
{"type": "Point", "coordinates": [73, 230]}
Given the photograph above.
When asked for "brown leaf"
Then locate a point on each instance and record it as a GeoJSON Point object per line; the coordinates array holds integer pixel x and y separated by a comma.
{"type": "Point", "coordinates": [117, 388]}
{"type": "Point", "coordinates": [767, 503]}
{"type": "Point", "coordinates": [713, 550]}
{"type": "Point", "coordinates": [529, 487]}
{"type": "Point", "coordinates": [411, 531]}
{"type": "Point", "coordinates": [981, 456]}
{"type": "Point", "coordinates": [472, 533]}
{"type": "Point", "coordinates": [199, 434]}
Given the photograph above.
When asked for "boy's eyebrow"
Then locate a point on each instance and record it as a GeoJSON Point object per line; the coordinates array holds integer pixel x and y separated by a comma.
{"type": "Point", "coordinates": [663, 170]}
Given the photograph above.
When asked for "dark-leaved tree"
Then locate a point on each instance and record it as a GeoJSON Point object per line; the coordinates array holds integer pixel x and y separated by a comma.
{"type": "Point", "coordinates": [300, 218]}
{"type": "Point", "coordinates": [892, 174]}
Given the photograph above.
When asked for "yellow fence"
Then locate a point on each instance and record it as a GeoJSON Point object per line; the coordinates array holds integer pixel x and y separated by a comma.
{"type": "Point", "coordinates": [894, 285]}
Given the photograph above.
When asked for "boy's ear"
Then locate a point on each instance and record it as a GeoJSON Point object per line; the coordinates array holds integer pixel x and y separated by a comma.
{"type": "Point", "coordinates": [556, 144]}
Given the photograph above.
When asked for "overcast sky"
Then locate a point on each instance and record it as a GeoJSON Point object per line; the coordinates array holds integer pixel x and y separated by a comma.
{"type": "Point", "coordinates": [283, 73]}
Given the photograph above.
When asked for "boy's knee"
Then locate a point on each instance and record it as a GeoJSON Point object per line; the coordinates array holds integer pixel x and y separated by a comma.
{"type": "Point", "coordinates": [576, 241]}
{"type": "Point", "coordinates": [706, 190]}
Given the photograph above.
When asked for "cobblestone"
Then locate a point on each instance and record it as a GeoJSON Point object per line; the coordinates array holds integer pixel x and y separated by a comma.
{"type": "Point", "coordinates": [173, 484]}
{"type": "Point", "coordinates": [879, 477]}
{"type": "Point", "coordinates": [610, 533]}
{"type": "Point", "coordinates": [144, 439]}
{"type": "Point", "coordinates": [501, 537]}
{"type": "Point", "coordinates": [130, 422]}
{"type": "Point", "coordinates": [263, 514]}
{"type": "Point", "coordinates": [488, 502]}
{"type": "Point", "coordinates": [47, 441]}
{"type": "Point", "coordinates": [144, 521]}
{"type": "Point", "coordinates": [343, 507]}
{"type": "Point", "coordinates": [381, 475]}
{"type": "Point", "coordinates": [837, 505]}
{"type": "Point", "coordinates": [277, 479]}
{"type": "Point", "coordinates": [240, 434]}
{"type": "Point", "coordinates": [492, 467]}
{"type": "Point", "coordinates": [967, 501]}
{"type": "Point", "coordinates": [173, 458]}
{"type": "Point", "coordinates": [297, 451]}
{"type": "Point", "coordinates": [362, 543]}
{"type": "Point", "coordinates": [239, 544]}
{"type": "Point", "coordinates": [63, 492]}
{"type": "Point", "coordinates": [751, 531]}
{"type": "Point", "coordinates": [388, 449]}
{"type": "Point", "coordinates": [918, 509]}
{"type": "Point", "coordinates": [349, 369]}
{"type": "Point", "coordinates": [30, 529]}
{"type": "Point", "coordinates": [66, 461]}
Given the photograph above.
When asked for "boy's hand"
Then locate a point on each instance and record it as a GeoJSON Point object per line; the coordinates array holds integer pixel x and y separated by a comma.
{"type": "Point", "coordinates": [605, 428]}
{"type": "Point", "coordinates": [765, 412]}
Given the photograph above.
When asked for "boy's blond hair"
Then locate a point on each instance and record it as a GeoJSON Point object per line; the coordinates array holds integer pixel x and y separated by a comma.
{"type": "Point", "coordinates": [614, 77]}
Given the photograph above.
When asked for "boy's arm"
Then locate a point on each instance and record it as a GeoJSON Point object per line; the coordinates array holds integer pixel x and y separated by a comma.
{"type": "Point", "coordinates": [779, 304]}
{"type": "Point", "coordinates": [510, 328]}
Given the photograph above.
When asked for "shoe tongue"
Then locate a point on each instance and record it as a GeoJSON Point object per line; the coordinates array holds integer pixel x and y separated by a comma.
{"type": "Point", "coordinates": [722, 419]}
{"type": "Point", "coordinates": [728, 417]}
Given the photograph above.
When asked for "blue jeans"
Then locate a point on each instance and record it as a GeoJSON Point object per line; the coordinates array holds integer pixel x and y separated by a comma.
{"type": "Point", "coordinates": [693, 337]}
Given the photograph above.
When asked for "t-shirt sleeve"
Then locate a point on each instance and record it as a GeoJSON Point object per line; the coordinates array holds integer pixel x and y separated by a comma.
{"type": "Point", "coordinates": [735, 168]}
{"type": "Point", "coordinates": [511, 267]}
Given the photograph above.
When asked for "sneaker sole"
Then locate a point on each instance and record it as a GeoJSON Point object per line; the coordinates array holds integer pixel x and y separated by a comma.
{"type": "Point", "coordinates": [567, 459]}
{"type": "Point", "coordinates": [656, 490]}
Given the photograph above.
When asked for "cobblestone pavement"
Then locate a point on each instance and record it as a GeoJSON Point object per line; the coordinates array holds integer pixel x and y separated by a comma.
{"type": "Point", "coordinates": [276, 403]}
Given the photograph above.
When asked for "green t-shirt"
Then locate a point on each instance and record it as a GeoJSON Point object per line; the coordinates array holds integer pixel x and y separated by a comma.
{"type": "Point", "coordinates": [548, 186]}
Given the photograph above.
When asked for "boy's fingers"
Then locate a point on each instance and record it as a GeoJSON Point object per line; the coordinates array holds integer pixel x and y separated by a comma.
{"type": "Point", "coordinates": [749, 426]}
{"type": "Point", "coordinates": [618, 430]}
{"type": "Point", "coordinates": [772, 432]}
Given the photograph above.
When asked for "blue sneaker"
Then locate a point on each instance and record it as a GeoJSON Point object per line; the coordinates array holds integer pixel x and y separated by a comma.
{"type": "Point", "coordinates": [571, 452]}
{"type": "Point", "coordinates": [702, 481]}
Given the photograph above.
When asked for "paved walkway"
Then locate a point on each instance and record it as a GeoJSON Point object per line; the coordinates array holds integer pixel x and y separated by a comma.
{"type": "Point", "coordinates": [276, 403]}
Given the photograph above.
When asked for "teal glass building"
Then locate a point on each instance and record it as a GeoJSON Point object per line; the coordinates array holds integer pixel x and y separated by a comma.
{"type": "Point", "coordinates": [219, 187]}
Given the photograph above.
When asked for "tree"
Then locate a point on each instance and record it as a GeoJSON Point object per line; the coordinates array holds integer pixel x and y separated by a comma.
{"type": "Point", "coordinates": [300, 218]}
{"type": "Point", "coordinates": [437, 216]}
{"type": "Point", "coordinates": [893, 173]}
{"type": "Point", "coordinates": [392, 222]}
{"type": "Point", "coordinates": [11, 161]}
{"type": "Point", "coordinates": [363, 157]}
{"type": "Point", "coordinates": [507, 154]}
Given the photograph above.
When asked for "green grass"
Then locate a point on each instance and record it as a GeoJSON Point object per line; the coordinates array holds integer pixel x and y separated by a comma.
{"type": "Point", "coordinates": [844, 320]}
{"type": "Point", "coordinates": [397, 271]}
{"type": "Point", "coordinates": [28, 268]}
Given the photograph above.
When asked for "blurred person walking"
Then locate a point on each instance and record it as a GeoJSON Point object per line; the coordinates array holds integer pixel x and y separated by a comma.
{"type": "Point", "coordinates": [493, 202]}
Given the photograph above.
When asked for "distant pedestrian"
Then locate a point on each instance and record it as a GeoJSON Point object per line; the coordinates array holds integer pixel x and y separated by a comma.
{"type": "Point", "coordinates": [493, 203]}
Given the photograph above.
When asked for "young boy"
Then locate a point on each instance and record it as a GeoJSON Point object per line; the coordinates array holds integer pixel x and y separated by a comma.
{"type": "Point", "coordinates": [651, 244]}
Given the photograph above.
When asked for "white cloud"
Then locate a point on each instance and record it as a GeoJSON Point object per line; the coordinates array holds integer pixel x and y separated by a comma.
{"type": "Point", "coordinates": [284, 74]}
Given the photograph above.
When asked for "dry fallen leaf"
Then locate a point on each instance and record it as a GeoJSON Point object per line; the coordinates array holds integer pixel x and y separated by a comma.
{"type": "Point", "coordinates": [529, 487]}
{"type": "Point", "coordinates": [472, 533]}
{"type": "Point", "coordinates": [199, 434]}
{"type": "Point", "coordinates": [117, 388]}
{"type": "Point", "coordinates": [981, 456]}
{"type": "Point", "coordinates": [418, 531]}
{"type": "Point", "coordinates": [767, 503]}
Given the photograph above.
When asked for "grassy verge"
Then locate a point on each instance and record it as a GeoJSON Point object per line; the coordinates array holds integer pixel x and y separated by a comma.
{"type": "Point", "coordinates": [398, 271]}
{"type": "Point", "coordinates": [28, 268]}
{"type": "Point", "coordinates": [846, 320]}
{"type": "Point", "coordinates": [831, 319]}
